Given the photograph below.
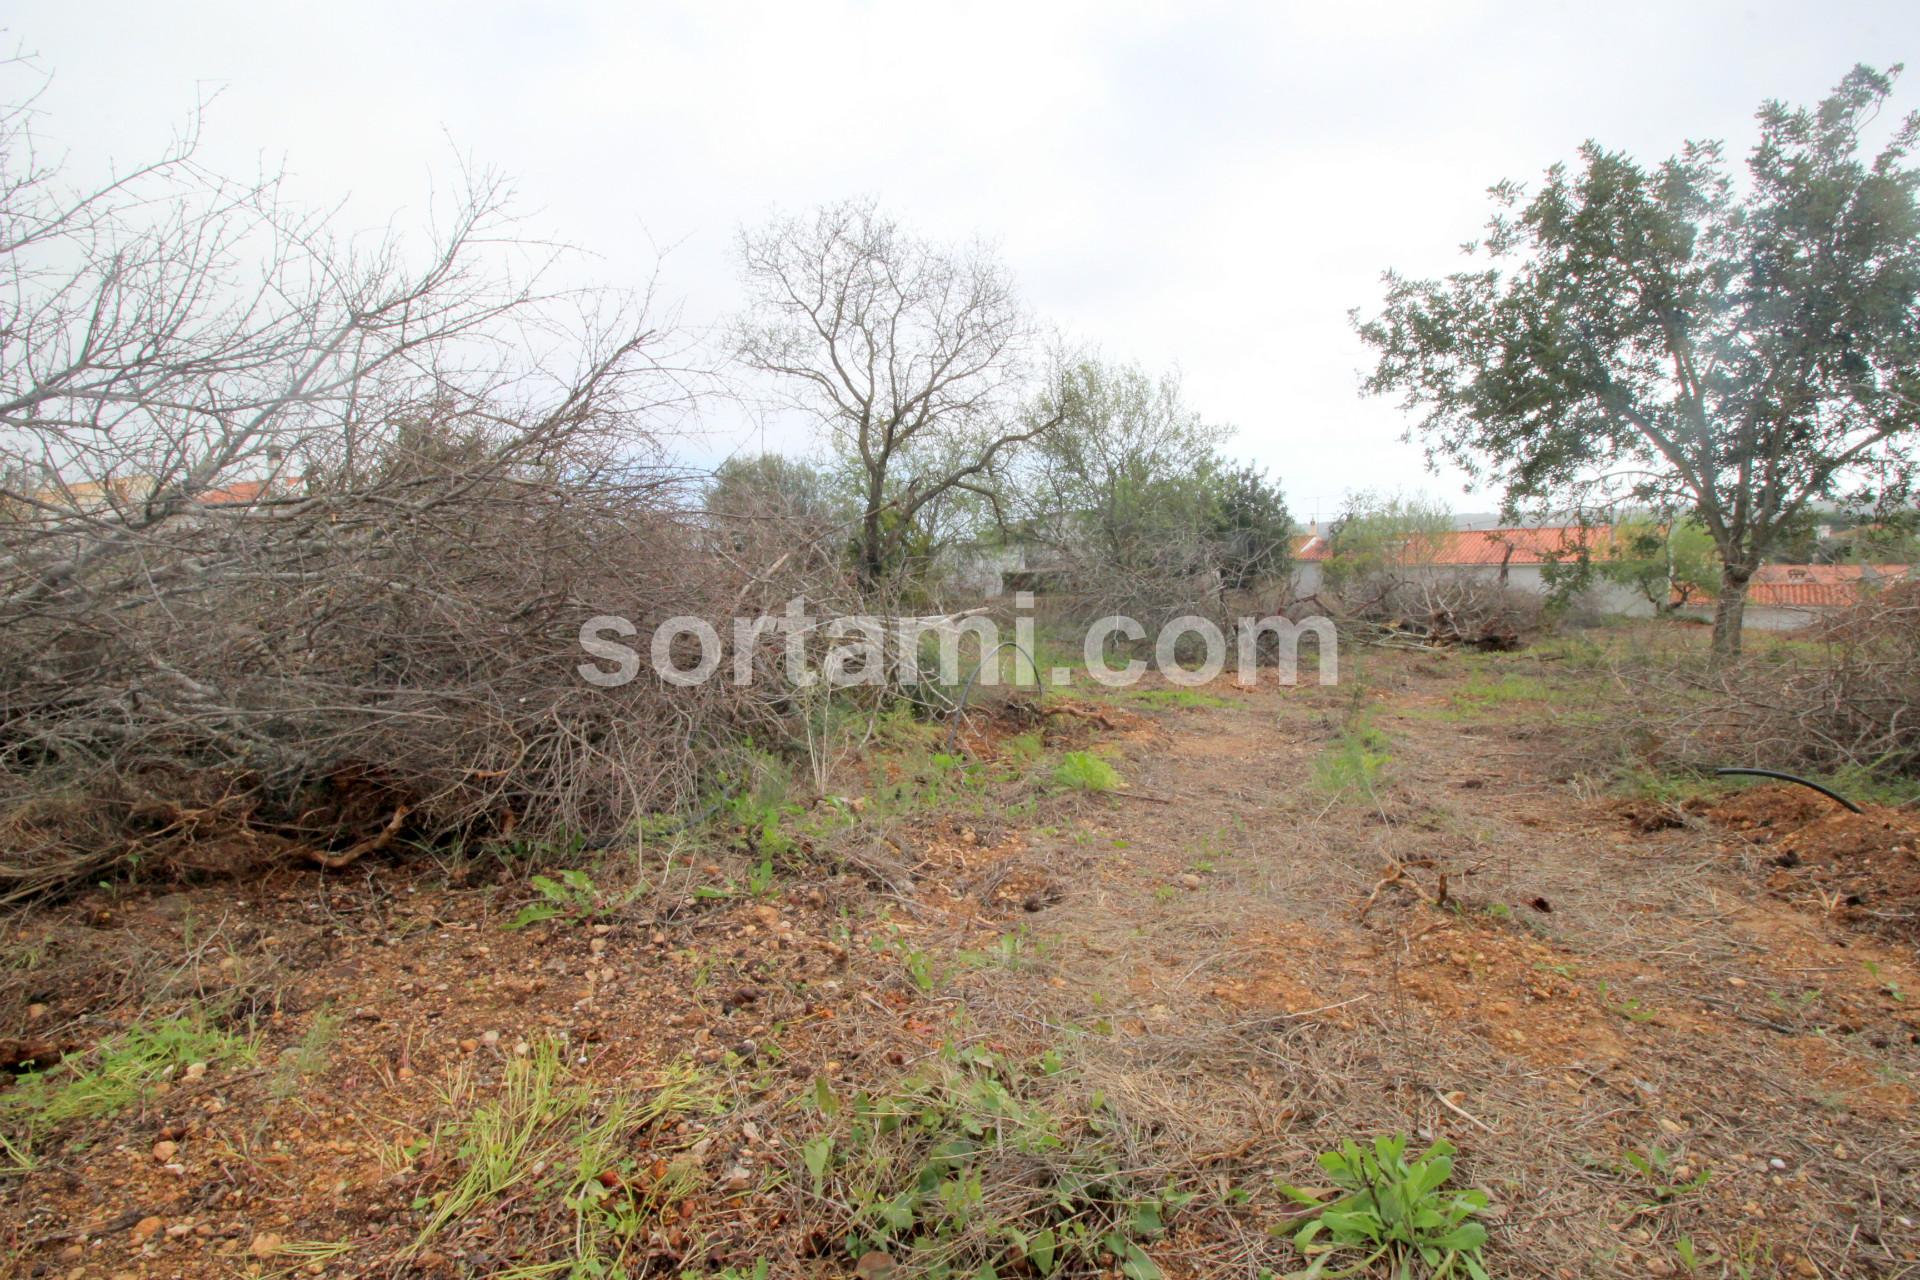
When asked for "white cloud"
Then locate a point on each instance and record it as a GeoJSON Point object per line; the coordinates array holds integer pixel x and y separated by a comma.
{"type": "Point", "coordinates": [1208, 186]}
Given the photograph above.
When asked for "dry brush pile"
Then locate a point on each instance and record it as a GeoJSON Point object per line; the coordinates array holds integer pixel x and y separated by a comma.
{"type": "Point", "coordinates": [1435, 609]}
{"type": "Point", "coordinates": [1844, 695]}
{"type": "Point", "coordinates": [298, 532]}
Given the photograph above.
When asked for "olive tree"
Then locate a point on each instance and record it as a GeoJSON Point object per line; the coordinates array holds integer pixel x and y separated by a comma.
{"type": "Point", "coordinates": [1733, 346]}
{"type": "Point", "coordinates": [1132, 492]}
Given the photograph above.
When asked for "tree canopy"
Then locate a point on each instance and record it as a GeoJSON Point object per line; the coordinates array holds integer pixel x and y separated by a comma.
{"type": "Point", "coordinates": [1681, 336]}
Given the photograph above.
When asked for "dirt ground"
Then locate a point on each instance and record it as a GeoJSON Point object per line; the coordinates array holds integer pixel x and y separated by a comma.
{"type": "Point", "coordinates": [1245, 963]}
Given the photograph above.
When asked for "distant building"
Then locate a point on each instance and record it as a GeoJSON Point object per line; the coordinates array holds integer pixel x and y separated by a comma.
{"type": "Point", "coordinates": [1515, 556]}
{"type": "Point", "coordinates": [1785, 597]}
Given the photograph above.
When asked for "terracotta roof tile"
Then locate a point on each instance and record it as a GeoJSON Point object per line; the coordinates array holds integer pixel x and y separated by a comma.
{"type": "Point", "coordinates": [1488, 546]}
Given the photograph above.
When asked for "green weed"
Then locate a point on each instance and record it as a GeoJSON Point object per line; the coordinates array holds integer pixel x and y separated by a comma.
{"type": "Point", "coordinates": [572, 896]}
{"type": "Point", "coordinates": [1394, 1209]}
{"type": "Point", "coordinates": [1176, 699]}
{"type": "Point", "coordinates": [972, 1165]}
{"type": "Point", "coordinates": [1355, 762]}
{"type": "Point", "coordinates": [1663, 1174]}
{"type": "Point", "coordinates": [310, 1056]}
{"type": "Point", "coordinates": [1631, 1008]}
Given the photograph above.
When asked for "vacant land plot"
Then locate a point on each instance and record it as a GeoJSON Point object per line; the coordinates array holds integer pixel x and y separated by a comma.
{"type": "Point", "coordinates": [1091, 997]}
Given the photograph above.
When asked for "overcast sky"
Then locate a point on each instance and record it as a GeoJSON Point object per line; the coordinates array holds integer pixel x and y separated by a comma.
{"type": "Point", "coordinates": [1211, 187]}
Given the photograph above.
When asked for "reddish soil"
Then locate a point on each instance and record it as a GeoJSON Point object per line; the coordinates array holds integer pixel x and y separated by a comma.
{"type": "Point", "coordinates": [1263, 985]}
{"type": "Point", "coordinates": [1863, 868]}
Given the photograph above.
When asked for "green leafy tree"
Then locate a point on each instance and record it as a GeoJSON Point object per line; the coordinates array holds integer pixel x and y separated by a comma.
{"type": "Point", "coordinates": [1379, 539]}
{"type": "Point", "coordinates": [772, 486]}
{"type": "Point", "coordinates": [1735, 350]}
{"type": "Point", "coordinates": [1251, 527]}
{"type": "Point", "coordinates": [1132, 490]}
{"type": "Point", "coordinates": [1671, 563]}
{"type": "Point", "coordinates": [1123, 477]}
{"type": "Point", "coordinates": [1892, 541]}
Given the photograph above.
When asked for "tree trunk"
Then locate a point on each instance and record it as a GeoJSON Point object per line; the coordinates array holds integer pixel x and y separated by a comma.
{"type": "Point", "coordinates": [1729, 611]}
{"type": "Point", "coordinates": [872, 558]}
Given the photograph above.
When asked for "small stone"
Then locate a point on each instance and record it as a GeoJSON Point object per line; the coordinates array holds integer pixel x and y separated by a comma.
{"type": "Point", "coordinates": [1190, 881]}
{"type": "Point", "coordinates": [469, 1045]}
{"type": "Point", "coordinates": [1776, 1163]}
{"type": "Point", "coordinates": [164, 1151]}
{"type": "Point", "coordinates": [767, 915]}
{"type": "Point", "coordinates": [146, 1229]}
{"type": "Point", "coordinates": [597, 946]}
{"type": "Point", "coordinates": [195, 1070]}
{"type": "Point", "coordinates": [35, 1012]}
{"type": "Point", "coordinates": [265, 1245]}
{"type": "Point", "coordinates": [490, 1038]}
{"type": "Point", "coordinates": [521, 1049]}
{"type": "Point", "coordinates": [739, 1178]}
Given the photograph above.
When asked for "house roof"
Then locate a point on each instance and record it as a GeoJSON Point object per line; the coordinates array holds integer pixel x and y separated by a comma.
{"type": "Point", "coordinates": [1818, 586]}
{"type": "Point", "coordinates": [92, 494]}
{"type": "Point", "coordinates": [1486, 546]}
{"type": "Point", "coordinates": [238, 494]}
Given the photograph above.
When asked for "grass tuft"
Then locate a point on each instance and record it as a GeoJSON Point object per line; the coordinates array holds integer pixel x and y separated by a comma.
{"type": "Point", "coordinates": [1084, 771]}
{"type": "Point", "coordinates": [121, 1071]}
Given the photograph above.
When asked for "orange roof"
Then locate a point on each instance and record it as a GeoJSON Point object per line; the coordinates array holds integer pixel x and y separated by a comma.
{"type": "Point", "coordinates": [235, 495]}
{"type": "Point", "coordinates": [130, 489]}
{"type": "Point", "coordinates": [1818, 586]}
{"type": "Point", "coordinates": [1487, 546]}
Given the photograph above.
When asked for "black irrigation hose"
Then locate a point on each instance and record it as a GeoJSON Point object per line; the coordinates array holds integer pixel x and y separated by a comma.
{"type": "Point", "coordinates": [1828, 792]}
{"type": "Point", "coordinates": [960, 709]}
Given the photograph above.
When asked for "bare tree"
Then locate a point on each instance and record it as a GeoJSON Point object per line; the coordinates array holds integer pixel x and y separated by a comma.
{"type": "Point", "coordinates": [914, 359]}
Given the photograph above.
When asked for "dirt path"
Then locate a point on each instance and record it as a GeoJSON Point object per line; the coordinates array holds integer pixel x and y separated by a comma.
{"type": "Point", "coordinates": [1224, 969]}
{"type": "Point", "coordinates": [1585, 992]}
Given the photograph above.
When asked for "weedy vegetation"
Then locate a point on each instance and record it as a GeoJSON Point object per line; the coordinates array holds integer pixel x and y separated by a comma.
{"type": "Point", "coordinates": [551, 1149]}
{"type": "Point", "coordinates": [975, 1163]}
{"type": "Point", "coordinates": [120, 1072]}
{"type": "Point", "coordinates": [1084, 771]}
{"type": "Point", "coordinates": [1396, 1211]}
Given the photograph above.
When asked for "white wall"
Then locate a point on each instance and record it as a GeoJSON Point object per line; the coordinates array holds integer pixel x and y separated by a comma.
{"type": "Point", "coordinates": [1602, 597]}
